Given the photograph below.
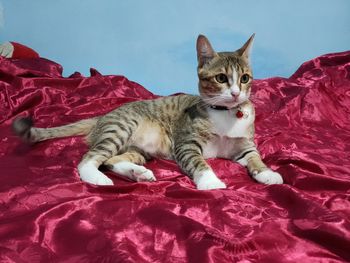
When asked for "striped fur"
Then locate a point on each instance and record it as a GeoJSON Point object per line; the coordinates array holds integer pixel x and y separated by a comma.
{"type": "Point", "coordinates": [23, 128]}
{"type": "Point", "coordinates": [185, 128]}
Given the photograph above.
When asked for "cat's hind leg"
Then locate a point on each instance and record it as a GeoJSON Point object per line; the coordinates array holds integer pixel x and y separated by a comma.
{"type": "Point", "coordinates": [88, 171]}
{"type": "Point", "coordinates": [107, 140]}
{"type": "Point", "coordinates": [130, 165]}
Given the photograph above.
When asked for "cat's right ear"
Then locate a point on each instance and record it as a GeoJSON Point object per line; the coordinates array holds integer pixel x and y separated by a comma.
{"type": "Point", "coordinates": [244, 51]}
{"type": "Point", "coordinates": [205, 52]}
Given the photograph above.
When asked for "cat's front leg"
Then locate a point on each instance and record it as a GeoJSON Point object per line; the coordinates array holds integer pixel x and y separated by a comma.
{"type": "Point", "coordinates": [191, 161]}
{"type": "Point", "coordinates": [258, 170]}
{"type": "Point", "coordinates": [207, 180]}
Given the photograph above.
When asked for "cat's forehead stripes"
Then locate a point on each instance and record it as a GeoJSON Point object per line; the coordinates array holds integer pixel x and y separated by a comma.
{"type": "Point", "coordinates": [224, 59]}
{"type": "Point", "coordinates": [224, 63]}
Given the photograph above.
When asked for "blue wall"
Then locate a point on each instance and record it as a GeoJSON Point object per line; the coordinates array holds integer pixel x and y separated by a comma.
{"type": "Point", "coordinates": [153, 41]}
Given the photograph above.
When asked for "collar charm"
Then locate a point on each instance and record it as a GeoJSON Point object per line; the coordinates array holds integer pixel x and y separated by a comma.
{"type": "Point", "coordinates": [241, 114]}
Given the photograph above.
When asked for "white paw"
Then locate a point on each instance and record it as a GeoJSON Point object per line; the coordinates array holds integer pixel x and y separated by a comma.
{"type": "Point", "coordinates": [269, 177]}
{"type": "Point", "coordinates": [143, 174]}
{"type": "Point", "coordinates": [90, 174]}
{"type": "Point", "coordinates": [103, 180]}
{"type": "Point", "coordinates": [97, 180]}
{"type": "Point", "coordinates": [133, 171]}
{"type": "Point", "coordinates": [208, 180]}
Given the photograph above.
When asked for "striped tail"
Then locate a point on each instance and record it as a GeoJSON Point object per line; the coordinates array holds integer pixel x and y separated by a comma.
{"type": "Point", "coordinates": [23, 127]}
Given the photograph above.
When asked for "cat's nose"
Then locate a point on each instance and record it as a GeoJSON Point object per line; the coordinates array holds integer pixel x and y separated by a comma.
{"type": "Point", "coordinates": [234, 94]}
{"type": "Point", "coordinates": [235, 91]}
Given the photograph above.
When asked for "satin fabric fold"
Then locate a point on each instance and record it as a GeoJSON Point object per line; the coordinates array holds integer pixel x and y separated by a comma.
{"type": "Point", "coordinates": [302, 130]}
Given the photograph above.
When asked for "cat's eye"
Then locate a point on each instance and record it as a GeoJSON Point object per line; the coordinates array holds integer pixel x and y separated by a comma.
{"type": "Point", "coordinates": [221, 78]}
{"type": "Point", "coordinates": [245, 78]}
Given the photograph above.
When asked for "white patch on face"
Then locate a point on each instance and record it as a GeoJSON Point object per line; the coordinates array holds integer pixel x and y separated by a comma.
{"type": "Point", "coordinates": [233, 96]}
{"type": "Point", "coordinates": [243, 96]}
{"type": "Point", "coordinates": [234, 89]}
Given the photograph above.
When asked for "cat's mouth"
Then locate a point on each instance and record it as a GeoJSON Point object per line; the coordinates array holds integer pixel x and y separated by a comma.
{"type": "Point", "coordinates": [229, 102]}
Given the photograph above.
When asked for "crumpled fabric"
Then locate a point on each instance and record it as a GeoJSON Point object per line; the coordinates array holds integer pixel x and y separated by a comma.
{"type": "Point", "coordinates": [302, 131]}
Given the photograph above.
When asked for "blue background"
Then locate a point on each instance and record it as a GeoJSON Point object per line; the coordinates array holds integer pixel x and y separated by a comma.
{"type": "Point", "coordinates": [153, 42]}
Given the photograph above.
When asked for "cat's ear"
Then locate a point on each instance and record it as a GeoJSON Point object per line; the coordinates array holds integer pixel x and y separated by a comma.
{"type": "Point", "coordinates": [244, 51]}
{"type": "Point", "coordinates": [205, 52]}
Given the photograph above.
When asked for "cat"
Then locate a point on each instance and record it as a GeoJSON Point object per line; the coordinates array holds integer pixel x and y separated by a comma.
{"type": "Point", "coordinates": [186, 128]}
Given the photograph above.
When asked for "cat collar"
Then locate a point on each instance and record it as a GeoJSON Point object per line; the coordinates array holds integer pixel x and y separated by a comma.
{"type": "Point", "coordinates": [239, 113]}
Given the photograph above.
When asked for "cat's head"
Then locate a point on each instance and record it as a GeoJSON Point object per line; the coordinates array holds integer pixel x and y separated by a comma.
{"type": "Point", "coordinates": [225, 78]}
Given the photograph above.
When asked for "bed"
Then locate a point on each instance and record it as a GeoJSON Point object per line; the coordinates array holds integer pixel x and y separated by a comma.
{"type": "Point", "coordinates": [302, 130]}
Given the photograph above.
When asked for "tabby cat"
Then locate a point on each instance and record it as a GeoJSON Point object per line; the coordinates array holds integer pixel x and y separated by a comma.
{"type": "Point", "coordinates": [185, 128]}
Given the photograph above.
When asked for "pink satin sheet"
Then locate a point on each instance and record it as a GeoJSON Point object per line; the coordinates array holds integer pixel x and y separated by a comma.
{"type": "Point", "coordinates": [302, 130]}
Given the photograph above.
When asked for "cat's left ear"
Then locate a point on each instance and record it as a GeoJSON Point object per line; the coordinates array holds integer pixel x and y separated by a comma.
{"type": "Point", "coordinates": [205, 51]}
{"type": "Point", "coordinates": [244, 51]}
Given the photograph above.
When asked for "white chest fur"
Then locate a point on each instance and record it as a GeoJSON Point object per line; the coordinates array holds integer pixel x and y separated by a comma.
{"type": "Point", "coordinates": [227, 127]}
{"type": "Point", "coordinates": [225, 122]}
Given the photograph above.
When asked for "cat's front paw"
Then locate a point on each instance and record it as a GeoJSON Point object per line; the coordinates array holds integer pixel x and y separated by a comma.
{"type": "Point", "coordinates": [90, 174]}
{"type": "Point", "coordinates": [268, 177]}
{"type": "Point", "coordinates": [207, 180]}
{"type": "Point", "coordinates": [97, 180]}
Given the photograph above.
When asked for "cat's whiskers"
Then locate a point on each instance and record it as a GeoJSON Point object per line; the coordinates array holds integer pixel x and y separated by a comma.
{"type": "Point", "coordinates": [209, 101]}
{"type": "Point", "coordinates": [215, 100]}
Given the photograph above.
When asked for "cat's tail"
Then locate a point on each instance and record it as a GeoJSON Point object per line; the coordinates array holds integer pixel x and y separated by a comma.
{"type": "Point", "coordinates": [23, 127]}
